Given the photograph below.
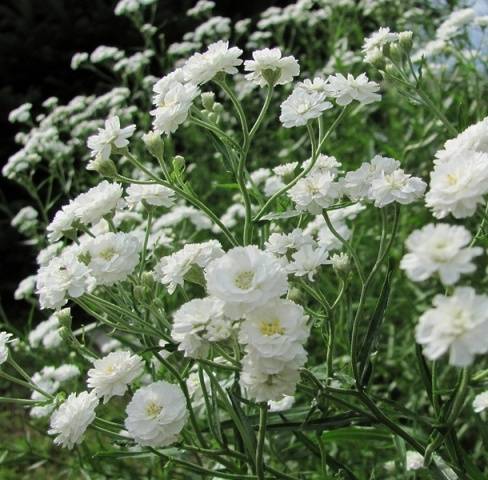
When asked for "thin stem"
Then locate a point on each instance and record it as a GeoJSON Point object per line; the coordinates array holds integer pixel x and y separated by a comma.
{"type": "Point", "coordinates": [263, 414]}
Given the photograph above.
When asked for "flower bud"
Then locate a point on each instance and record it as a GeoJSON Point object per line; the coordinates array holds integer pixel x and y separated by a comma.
{"type": "Point", "coordinates": [208, 100]}
{"type": "Point", "coordinates": [104, 167]}
{"type": "Point", "coordinates": [340, 263]}
{"type": "Point", "coordinates": [405, 40]}
{"type": "Point", "coordinates": [154, 144]}
{"type": "Point", "coordinates": [178, 164]}
{"type": "Point", "coordinates": [64, 317]}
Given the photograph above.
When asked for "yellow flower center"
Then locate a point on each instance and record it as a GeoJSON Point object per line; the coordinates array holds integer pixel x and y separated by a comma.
{"type": "Point", "coordinates": [452, 179]}
{"type": "Point", "coordinates": [153, 409]}
{"type": "Point", "coordinates": [108, 254]}
{"type": "Point", "coordinates": [243, 280]}
{"type": "Point", "coordinates": [272, 327]}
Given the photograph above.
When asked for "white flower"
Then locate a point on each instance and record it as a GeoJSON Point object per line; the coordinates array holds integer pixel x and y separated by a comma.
{"type": "Point", "coordinates": [110, 137]}
{"type": "Point", "coordinates": [70, 421]}
{"type": "Point", "coordinates": [272, 185]}
{"type": "Point", "coordinates": [156, 414]}
{"type": "Point", "coordinates": [313, 193]}
{"type": "Point", "coordinates": [340, 261]}
{"type": "Point", "coordinates": [301, 106]}
{"type": "Point", "coordinates": [458, 323]}
{"type": "Point", "coordinates": [414, 461]}
{"type": "Point", "coordinates": [245, 278]}
{"type": "Point", "coordinates": [66, 372]}
{"type": "Point", "coordinates": [111, 257]}
{"type": "Point", "coordinates": [262, 386]}
{"type": "Point", "coordinates": [345, 90]}
{"type": "Point", "coordinates": [323, 164]}
{"type": "Point", "coordinates": [173, 99]}
{"type": "Point", "coordinates": [25, 220]}
{"type": "Point", "coordinates": [46, 333]}
{"type": "Point", "coordinates": [171, 270]}
{"type": "Point", "coordinates": [480, 402]}
{"type": "Point", "coordinates": [198, 322]}
{"type": "Point", "coordinates": [90, 207]}
{"type": "Point", "coordinates": [286, 169]}
{"type": "Point", "coordinates": [156, 195]}
{"type": "Point", "coordinates": [376, 41]}
{"type": "Point", "coordinates": [25, 288]}
{"type": "Point", "coordinates": [307, 261]}
{"type": "Point", "coordinates": [21, 114]}
{"type": "Point", "coordinates": [103, 53]}
{"type": "Point", "coordinates": [111, 374]}
{"type": "Point", "coordinates": [62, 276]}
{"type": "Point", "coordinates": [202, 6]}
{"type": "Point", "coordinates": [281, 244]}
{"type": "Point", "coordinates": [474, 138]}
{"type": "Point", "coordinates": [281, 405]}
{"type": "Point", "coordinates": [202, 67]}
{"type": "Point", "coordinates": [357, 183]}
{"type": "Point", "coordinates": [396, 187]}
{"type": "Point", "coordinates": [270, 61]}
{"type": "Point", "coordinates": [276, 330]}
{"type": "Point", "coordinates": [458, 186]}
{"type": "Point", "coordinates": [441, 249]}
{"type": "Point", "coordinates": [4, 340]}
{"type": "Point", "coordinates": [453, 24]}
{"type": "Point", "coordinates": [62, 223]}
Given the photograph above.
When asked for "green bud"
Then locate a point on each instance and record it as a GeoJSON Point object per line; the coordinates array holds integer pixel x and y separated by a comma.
{"type": "Point", "coordinates": [271, 75]}
{"type": "Point", "coordinates": [218, 108]}
{"type": "Point", "coordinates": [178, 164]}
{"type": "Point", "coordinates": [405, 40]}
{"type": "Point", "coordinates": [147, 279]}
{"type": "Point", "coordinates": [208, 100]}
{"type": "Point", "coordinates": [154, 144]}
{"type": "Point", "coordinates": [64, 317]}
{"type": "Point", "coordinates": [104, 167]}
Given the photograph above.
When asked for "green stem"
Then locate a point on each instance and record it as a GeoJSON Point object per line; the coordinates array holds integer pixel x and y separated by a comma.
{"type": "Point", "coordinates": [263, 414]}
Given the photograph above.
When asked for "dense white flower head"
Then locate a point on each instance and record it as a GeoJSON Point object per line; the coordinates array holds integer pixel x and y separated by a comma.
{"type": "Point", "coordinates": [46, 333]}
{"type": "Point", "coordinates": [271, 60]}
{"type": "Point", "coordinates": [62, 276]}
{"type": "Point", "coordinates": [25, 288]}
{"type": "Point", "coordinates": [307, 260]}
{"type": "Point", "coordinates": [198, 322]}
{"type": "Point", "coordinates": [315, 192]}
{"type": "Point", "coordinates": [346, 89]}
{"type": "Point", "coordinates": [301, 106]}
{"type": "Point", "coordinates": [376, 41]}
{"type": "Point", "coordinates": [70, 421]}
{"type": "Point", "coordinates": [202, 67]}
{"type": "Point", "coordinates": [282, 244]}
{"type": "Point", "coordinates": [442, 249]}
{"type": "Point", "coordinates": [5, 338]}
{"type": "Point", "coordinates": [396, 187]}
{"type": "Point", "coordinates": [457, 187]}
{"type": "Point", "coordinates": [414, 461]}
{"type": "Point", "coordinates": [173, 99]}
{"type": "Point", "coordinates": [480, 402]}
{"type": "Point", "coordinates": [261, 386]}
{"type": "Point", "coordinates": [357, 183]}
{"type": "Point", "coordinates": [111, 374]}
{"type": "Point", "coordinates": [474, 138]}
{"type": "Point", "coordinates": [110, 137]}
{"type": "Point", "coordinates": [172, 269]}
{"type": "Point", "coordinates": [281, 405]}
{"type": "Point", "coordinates": [156, 195]}
{"type": "Point", "coordinates": [323, 164]}
{"type": "Point", "coordinates": [276, 330]}
{"type": "Point", "coordinates": [156, 414]}
{"type": "Point", "coordinates": [245, 278]}
{"type": "Point", "coordinates": [458, 324]}
{"type": "Point", "coordinates": [286, 169]}
{"type": "Point", "coordinates": [111, 257]}
{"type": "Point", "coordinates": [455, 22]}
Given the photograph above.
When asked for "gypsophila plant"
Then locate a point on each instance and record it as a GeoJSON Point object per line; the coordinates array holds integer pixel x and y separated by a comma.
{"type": "Point", "coordinates": [262, 254]}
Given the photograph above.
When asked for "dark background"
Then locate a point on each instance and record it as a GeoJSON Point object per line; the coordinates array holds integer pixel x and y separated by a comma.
{"type": "Point", "coordinates": [37, 40]}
